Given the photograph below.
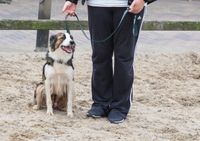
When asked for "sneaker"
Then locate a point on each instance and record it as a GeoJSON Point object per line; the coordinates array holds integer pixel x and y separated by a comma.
{"type": "Point", "coordinates": [116, 117]}
{"type": "Point", "coordinates": [97, 112]}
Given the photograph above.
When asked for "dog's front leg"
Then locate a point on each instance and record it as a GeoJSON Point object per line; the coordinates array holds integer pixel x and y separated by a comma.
{"type": "Point", "coordinates": [48, 97]}
{"type": "Point", "coordinates": [70, 90]}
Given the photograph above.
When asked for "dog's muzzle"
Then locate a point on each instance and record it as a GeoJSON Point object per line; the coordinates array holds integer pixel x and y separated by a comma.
{"type": "Point", "coordinates": [70, 48]}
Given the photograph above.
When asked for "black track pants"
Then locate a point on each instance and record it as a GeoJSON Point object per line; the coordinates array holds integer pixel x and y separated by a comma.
{"type": "Point", "coordinates": [112, 79]}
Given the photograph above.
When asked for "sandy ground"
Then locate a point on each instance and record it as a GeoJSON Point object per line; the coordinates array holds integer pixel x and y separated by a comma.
{"type": "Point", "coordinates": [166, 104]}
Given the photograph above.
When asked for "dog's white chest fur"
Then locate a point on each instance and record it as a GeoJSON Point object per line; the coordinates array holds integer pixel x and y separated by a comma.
{"type": "Point", "coordinates": [59, 69]}
{"type": "Point", "coordinates": [59, 76]}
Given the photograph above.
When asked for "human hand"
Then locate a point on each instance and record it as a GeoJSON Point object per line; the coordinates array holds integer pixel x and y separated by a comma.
{"type": "Point", "coordinates": [136, 6]}
{"type": "Point", "coordinates": [69, 8]}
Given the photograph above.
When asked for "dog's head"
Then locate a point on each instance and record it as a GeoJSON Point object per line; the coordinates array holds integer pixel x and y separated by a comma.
{"type": "Point", "coordinates": [62, 44]}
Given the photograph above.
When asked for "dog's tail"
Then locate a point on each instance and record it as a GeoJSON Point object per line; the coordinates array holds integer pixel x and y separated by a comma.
{"type": "Point", "coordinates": [30, 104]}
{"type": "Point", "coordinates": [34, 102]}
{"type": "Point", "coordinates": [35, 92]}
{"type": "Point", "coordinates": [34, 97]}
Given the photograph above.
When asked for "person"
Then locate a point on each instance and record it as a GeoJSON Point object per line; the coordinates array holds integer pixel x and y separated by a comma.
{"type": "Point", "coordinates": [112, 79]}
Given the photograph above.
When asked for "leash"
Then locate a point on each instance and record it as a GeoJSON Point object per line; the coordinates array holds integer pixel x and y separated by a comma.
{"type": "Point", "coordinates": [66, 25]}
{"type": "Point", "coordinates": [97, 41]}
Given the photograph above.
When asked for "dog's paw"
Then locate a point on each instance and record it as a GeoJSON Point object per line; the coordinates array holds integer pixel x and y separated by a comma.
{"type": "Point", "coordinates": [70, 115]}
{"type": "Point", "coordinates": [50, 112]}
{"type": "Point", "coordinates": [36, 107]}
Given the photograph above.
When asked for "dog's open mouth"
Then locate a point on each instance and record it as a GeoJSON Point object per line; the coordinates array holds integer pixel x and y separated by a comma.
{"type": "Point", "coordinates": [68, 49]}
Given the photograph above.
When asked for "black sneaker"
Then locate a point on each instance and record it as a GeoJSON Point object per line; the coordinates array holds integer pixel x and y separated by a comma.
{"type": "Point", "coordinates": [97, 112]}
{"type": "Point", "coordinates": [116, 117]}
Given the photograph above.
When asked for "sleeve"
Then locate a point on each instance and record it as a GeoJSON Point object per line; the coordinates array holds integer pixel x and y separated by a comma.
{"type": "Point", "coordinates": [73, 1]}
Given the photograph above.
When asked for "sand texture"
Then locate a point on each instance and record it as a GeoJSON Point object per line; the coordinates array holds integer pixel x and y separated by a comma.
{"type": "Point", "coordinates": [166, 104]}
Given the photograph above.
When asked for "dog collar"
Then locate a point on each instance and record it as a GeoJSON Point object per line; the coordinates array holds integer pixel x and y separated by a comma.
{"type": "Point", "coordinates": [51, 61]}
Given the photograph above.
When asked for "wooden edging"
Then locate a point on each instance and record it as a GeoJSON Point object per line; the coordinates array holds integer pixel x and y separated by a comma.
{"type": "Point", "coordinates": [74, 25]}
{"type": "Point", "coordinates": [172, 25]}
{"type": "Point", "coordinates": [40, 24]}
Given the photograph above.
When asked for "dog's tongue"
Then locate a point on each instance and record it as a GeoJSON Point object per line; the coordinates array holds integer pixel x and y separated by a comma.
{"type": "Point", "coordinates": [67, 49]}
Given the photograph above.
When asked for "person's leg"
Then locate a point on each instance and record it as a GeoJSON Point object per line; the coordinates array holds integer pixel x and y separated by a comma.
{"type": "Point", "coordinates": [124, 48]}
{"type": "Point", "coordinates": [100, 26]}
{"type": "Point", "coordinates": [136, 32]}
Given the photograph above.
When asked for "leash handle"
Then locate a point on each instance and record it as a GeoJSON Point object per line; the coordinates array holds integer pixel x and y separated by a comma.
{"type": "Point", "coordinates": [92, 40]}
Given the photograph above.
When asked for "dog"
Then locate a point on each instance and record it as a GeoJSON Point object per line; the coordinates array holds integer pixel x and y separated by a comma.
{"type": "Point", "coordinates": [56, 91]}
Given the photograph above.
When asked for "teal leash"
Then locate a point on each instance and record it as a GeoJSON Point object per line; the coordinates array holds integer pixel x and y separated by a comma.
{"type": "Point", "coordinates": [66, 25]}
{"type": "Point", "coordinates": [97, 41]}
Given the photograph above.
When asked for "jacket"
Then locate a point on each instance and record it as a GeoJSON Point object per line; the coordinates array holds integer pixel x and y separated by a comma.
{"type": "Point", "coordinates": [83, 1]}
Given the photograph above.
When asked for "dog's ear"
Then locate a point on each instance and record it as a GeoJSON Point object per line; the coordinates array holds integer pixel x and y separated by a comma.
{"type": "Point", "coordinates": [53, 42]}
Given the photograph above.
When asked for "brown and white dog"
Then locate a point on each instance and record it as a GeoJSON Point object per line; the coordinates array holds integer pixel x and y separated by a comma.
{"type": "Point", "coordinates": [57, 88]}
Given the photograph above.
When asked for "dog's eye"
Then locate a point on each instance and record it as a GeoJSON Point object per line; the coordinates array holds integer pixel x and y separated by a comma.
{"type": "Point", "coordinates": [63, 37]}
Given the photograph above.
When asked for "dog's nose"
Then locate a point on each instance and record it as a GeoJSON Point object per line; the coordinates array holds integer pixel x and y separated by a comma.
{"type": "Point", "coordinates": [72, 42]}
